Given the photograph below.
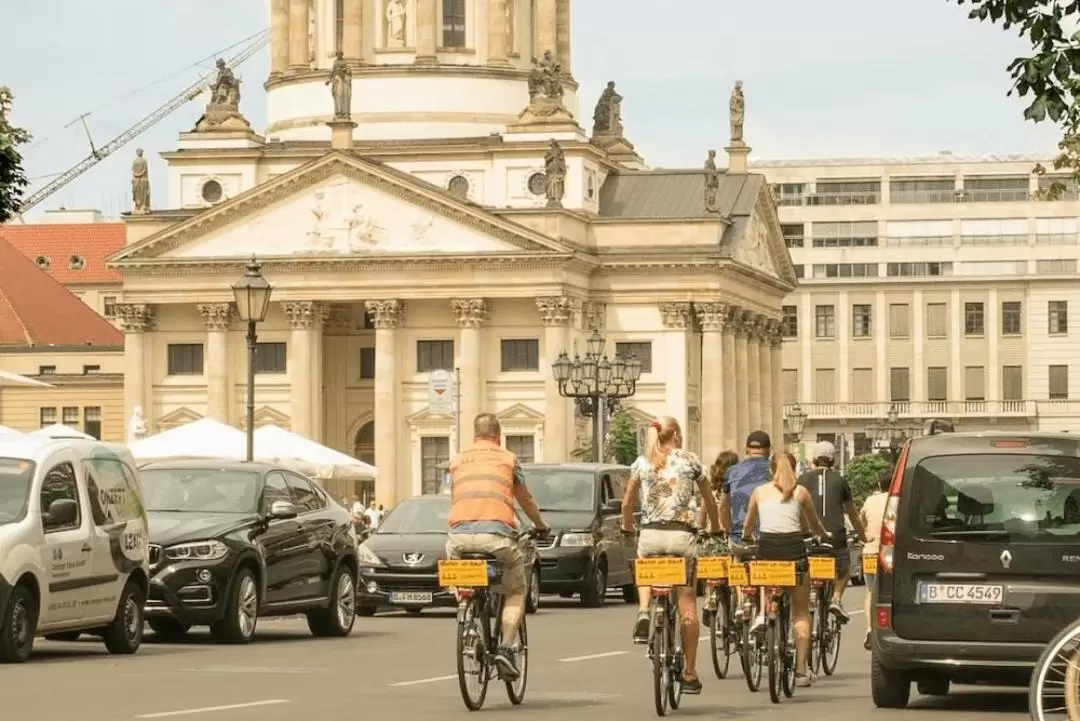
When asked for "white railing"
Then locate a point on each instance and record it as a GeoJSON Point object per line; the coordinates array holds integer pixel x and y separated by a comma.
{"type": "Point", "coordinates": [934, 409]}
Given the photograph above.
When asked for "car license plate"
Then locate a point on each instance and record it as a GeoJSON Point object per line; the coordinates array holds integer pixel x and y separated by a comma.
{"type": "Point", "coordinates": [408, 597]}
{"type": "Point", "coordinates": [962, 593]}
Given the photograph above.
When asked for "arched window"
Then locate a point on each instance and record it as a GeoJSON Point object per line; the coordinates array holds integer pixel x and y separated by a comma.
{"type": "Point", "coordinates": [364, 443]}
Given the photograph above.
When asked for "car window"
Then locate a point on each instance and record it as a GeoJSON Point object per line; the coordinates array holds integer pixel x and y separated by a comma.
{"type": "Point", "coordinates": [114, 496]}
{"type": "Point", "coordinates": [307, 498]}
{"type": "Point", "coordinates": [200, 489]}
{"type": "Point", "coordinates": [561, 489]}
{"type": "Point", "coordinates": [59, 484]}
{"type": "Point", "coordinates": [619, 481]}
{"type": "Point", "coordinates": [276, 489]}
{"type": "Point", "coordinates": [607, 488]}
{"type": "Point", "coordinates": [16, 479]}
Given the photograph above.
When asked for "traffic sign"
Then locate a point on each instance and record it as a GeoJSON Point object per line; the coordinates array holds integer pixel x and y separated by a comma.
{"type": "Point", "coordinates": [441, 392]}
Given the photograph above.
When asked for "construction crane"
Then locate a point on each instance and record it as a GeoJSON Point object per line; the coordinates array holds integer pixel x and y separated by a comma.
{"type": "Point", "coordinates": [98, 154]}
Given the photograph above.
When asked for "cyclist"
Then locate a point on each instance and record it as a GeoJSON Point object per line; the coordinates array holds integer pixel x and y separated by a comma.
{"type": "Point", "coordinates": [485, 481]}
{"type": "Point", "coordinates": [872, 516]}
{"type": "Point", "coordinates": [783, 511]}
{"type": "Point", "coordinates": [739, 483]}
{"type": "Point", "coordinates": [718, 546]}
{"type": "Point", "coordinates": [669, 479]}
{"type": "Point", "coordinates": [832, 501]}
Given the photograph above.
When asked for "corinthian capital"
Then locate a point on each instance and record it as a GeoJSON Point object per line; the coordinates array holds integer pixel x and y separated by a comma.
{"type": "Point", "coordinates": [677, 316]}
{"type": "Point", "coordinates": [385, 314]}
{"type": "Point", "coordinates": [216, 316]}
{"type": "Point", "coordinates": [306, 314]}
{"type": "Point", "coordinates": [136, 317]}
{"type": "Point", "coordinates": [712, 316]}
{"type": "Point", "coordinates": [470, 312]}
{"type": "Point", "coordinates": [557, 309]}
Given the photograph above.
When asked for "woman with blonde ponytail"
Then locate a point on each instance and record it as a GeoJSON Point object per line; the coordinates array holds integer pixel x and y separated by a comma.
{"type": "Point", "coordinates": [669, 482]}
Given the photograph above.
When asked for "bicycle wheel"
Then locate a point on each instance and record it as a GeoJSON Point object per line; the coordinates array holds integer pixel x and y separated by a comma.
{"type": "Point", "coordinates": [788, 647]}
{"type": "Point", "coordinates": [676, 659]}
{"type": "Point", "coordinates": [720, 633]}
{"type": "Point", "coordinates": [1054, 691]}
{"type": "Point", "coordinates": [515, 689]}
{"type": "Point", "coordinates": [472, 655]}
{"type": "Point", "coordinates": [751, 656]}
{"type": "Point", "coordinates": [817, 613]}
{"type": "Point", "coordinates": [830, 642]}
{"type": "Point", "coordinates": [658, 652]}
{"type": "Point", "coordinates": [772, 648]}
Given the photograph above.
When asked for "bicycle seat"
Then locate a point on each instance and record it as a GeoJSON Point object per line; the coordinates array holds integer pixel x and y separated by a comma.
{"type": "Point", "coordinates": [477, 556]}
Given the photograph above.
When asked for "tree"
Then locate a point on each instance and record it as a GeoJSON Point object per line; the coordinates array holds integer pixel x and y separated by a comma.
{"type": "Point", "coordinates": [12, 178]}
{"type": "Point", "coordinates": [862, 475]}
{"type": "Point", "coordinates": [1050, 76]}
{"type": "Point", "coordinates": [621, 443]}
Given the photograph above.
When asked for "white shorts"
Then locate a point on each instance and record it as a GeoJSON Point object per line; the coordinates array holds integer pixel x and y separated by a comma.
{"type": "Point", "coordinates": [665, 542]}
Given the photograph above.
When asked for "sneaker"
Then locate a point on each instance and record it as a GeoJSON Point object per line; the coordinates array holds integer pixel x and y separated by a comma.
{"type": "Point", "coordinates": [759, 621]}
{"type": "Point", "coordinates": [838, 610]}
{"type": "Point", "coordinates": [506, 663]}
{"type": "Point", "coordinates": [866, 642]}
{"type": "Point", "coordinates": [805, 680]}
{"type": "Point", "coordinates": [691, 686]}
{"type": "Point", "coordinates": [641, 628]}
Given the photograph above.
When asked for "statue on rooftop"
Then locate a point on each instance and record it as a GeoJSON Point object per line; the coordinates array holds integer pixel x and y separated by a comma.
{"type": "Point", "coordinates": [607, 118]}
{"type": "Point", "coordinates": [140, 184]}
{"type": "Point", "coordinates": [340, 83]}
{"type": "Point", "coordinates": [555, 175]}
{"type": "Point", "coordinates": [737, 106]}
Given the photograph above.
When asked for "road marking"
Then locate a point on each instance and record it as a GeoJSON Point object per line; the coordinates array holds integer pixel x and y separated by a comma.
{"type": "Point", "coordinates": [591, 656]}
{"type": "Point", "coordinates": [212, 709]}
{"type": "Point", "coordinates": [433, 679]}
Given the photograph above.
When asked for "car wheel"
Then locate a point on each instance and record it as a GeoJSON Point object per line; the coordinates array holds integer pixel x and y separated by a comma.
{"type": "Point", "coordinates": [366, 611]}
{"type": "Point", "coordinates": [18, 626]}
{"type": "Point", "coordinates": [532, 598]}
{"type": "Point", "coordinates": [64, 636]}
{"type": "Point", "coordinates": [593, 595]}
{"type": "Point", "coordinates": [337, 620]}
{"type": "Point", "coordinates": [889, 688]}
{"type": "Point", "coordinates": [241, 611]}
{"type": "Point", "coordinates": [629, 593]}
{"type": "Point", "coordinates": [124, 633]}
{"type": "Point", "coordinates": [168, 628]}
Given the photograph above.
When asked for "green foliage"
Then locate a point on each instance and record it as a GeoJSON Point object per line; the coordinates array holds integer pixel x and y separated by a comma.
{"type": "Point", "coordinates": [621, 443]}
{"type": "Point", "coordinates": [1050, 76]}
{"type": "Point", "coordinates": [862, 475]}
{"type": "Point", "coordinates": [12, 178]}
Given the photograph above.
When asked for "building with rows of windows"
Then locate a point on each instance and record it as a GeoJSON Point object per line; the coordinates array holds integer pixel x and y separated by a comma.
{"type": "Point", "coordinates": [941, 286]}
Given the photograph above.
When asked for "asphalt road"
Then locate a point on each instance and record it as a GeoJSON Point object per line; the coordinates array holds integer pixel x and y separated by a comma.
{"type": "Point", "coordinates": [581, 662]}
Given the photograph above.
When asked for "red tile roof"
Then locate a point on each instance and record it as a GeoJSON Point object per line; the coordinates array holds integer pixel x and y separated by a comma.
{"type": "Point", "coordinates": [35, 310]}
{"type": "Point", "coordinates": [93, 242]}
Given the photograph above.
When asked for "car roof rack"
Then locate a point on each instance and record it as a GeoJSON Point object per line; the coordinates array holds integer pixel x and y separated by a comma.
{"type": "Point", "coordinates": [936, 426]}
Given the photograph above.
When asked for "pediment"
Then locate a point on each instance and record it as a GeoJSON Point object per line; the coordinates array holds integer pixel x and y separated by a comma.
{"type": "Point", "coordinates": [267, 416]}
{"type": "Point", "coordinates": [428, 419]}
{"type": "Point", "coordinates": [519, 414]}
{"type": "Point", "coordinates": [175, 419]}
{"type": "Point", "coordinates": [341, 205]}
{"type": "Point", "coordinates": [637, 416]}
{"type": "Point", "coordinates": [761, 244]}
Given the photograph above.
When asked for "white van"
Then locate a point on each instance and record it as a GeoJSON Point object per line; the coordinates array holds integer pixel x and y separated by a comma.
{"type": "Point", "coordinates": [74, 554]}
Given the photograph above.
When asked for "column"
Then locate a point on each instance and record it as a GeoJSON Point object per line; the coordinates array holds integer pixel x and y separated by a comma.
{"type": "Point", "coordinates": [136, 320]}
{"type": "Point", "coordinates": [299, 34]}
{"type": "Point", "coordinates": [216, 318]}
{"type": "Point", "coordinates": [352, 31]}
{"type": "Point", "coordinates": [336, 363]}
{"type": "Point", "coordinates": [731, 383]}
{"type": "Point", "coordinates": [740, 319]}
{"type": "Point", "coordinates": [545, 27]}
{"type": "Point", "coordinates": [279, 36]}
{"type": "Point", "coordinates": [498, 41]}
{"type": "Point", "coordinates": [956, 358]}
{"type": "Point", "coordinates": [753, 370]}
{"type": "Point", "coordinates": [427, 23]}
{"type": "Point", "coordinates": [471, 314]}
{"type": "Point", "coordinates": [306, 319]}
{"type": "Point", "coordinates": [562, 33]}
{"type": "Point", "coordinates": [556, 315]}
{"type": "Point", "coordinates": [769, 396]}
{"type": "Point", "coordinates": [386, 316]}
{"type": "Point", "coordinates": [710, 317]}
{"type": "Point", "coordinates": [776, 342]}
{"type": "Point", "coordinates": [678, 319]}
{"type": "Point", "coordinates": [992, 391]}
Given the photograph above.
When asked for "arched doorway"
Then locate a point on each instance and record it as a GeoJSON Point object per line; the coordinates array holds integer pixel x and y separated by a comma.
{"type": "Point", "coordinates": [364, 450]}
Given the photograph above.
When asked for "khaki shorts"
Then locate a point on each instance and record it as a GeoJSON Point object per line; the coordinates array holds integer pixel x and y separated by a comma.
{"type": "Point", "coordinates": [504, 549]}
{"type": "Point", "coordinates": [662, 542]}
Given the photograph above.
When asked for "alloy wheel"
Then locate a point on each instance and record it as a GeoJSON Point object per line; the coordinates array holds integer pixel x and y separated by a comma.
{"type": "Point", "coordinates": [248, 606]}
{"type": "Point", "coordinates": [346, 600]}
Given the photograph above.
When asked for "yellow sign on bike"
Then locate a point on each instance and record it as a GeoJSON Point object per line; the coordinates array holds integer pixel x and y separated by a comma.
{"type": "Point", "coordinates": [822, 568]}
{"type": "Point", "coordinates": [772, 573]}
{"type": "Point", "coordinates": [469, 574]}
{"type": "Point", "coordinates": [660, 572]}
{"type": "Point", "coordinates": [737, 575]}
{"type": "Point", "coordinates": [711, 568]}
{"type": "Point", "coordinates": [869, 565]}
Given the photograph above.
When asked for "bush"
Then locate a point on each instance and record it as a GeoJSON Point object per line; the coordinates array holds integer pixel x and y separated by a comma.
{"type": "Point", "coordinates": [862, 475]}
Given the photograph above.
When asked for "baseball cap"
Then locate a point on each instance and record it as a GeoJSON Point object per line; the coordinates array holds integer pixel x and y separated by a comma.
{"type": "Point", "coordinates": [824, 449]}
{"type": "Point", "coordinates": [758, 439]}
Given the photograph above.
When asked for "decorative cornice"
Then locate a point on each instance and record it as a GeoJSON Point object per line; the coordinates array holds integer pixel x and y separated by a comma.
{"type": "Point", "coordinates": [390, 264]}
{"type": "Point", "coordinates": [712, 316]}
{"type": "Point", "coordinates": [136, 317]}
{"type": "Point", "coordinates": [339, 321]}
{"type": "Point", "coordinates": [320, 76]}
{"type": "Point", "coordinates": [677, 316]}
{"type": "Point", "coordinates": [385, 314]}
{"type": "Point", "coordinates": [306, 314]}
{"type": "Point", "coordinates": [217, 316]}
{"type": "Point", "coordinates": [470, 312]}
{"type": "Point", "coordinates": [556, 310]}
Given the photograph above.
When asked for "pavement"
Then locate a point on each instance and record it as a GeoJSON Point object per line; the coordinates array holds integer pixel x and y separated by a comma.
{"type": "Point", "coordinates": [581, 661]}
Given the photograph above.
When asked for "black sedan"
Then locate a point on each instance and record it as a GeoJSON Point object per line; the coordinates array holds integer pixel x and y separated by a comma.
{"type": "Point", "coordinates": [399, 561]}
{"type": "Point", "coordinates": [231, 542]}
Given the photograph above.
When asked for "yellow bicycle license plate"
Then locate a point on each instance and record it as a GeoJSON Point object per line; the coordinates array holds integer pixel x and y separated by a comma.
{"type": "Point", "coordinates": [737, 575]}
{"type": "Point", "coordinates": [869, 565]}
{"type": "Point", "coordinates": [660, 572]}
{"type": "Point", "coordinates": [469, 574]}
{"type": "Point", "coordinates": [712, 568]}
{"type": "Point", "coordinates": [772, 573]}
{"type": "Point", "coordinates": [822, 568]}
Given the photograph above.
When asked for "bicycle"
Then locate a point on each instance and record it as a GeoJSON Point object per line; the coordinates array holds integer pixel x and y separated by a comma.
{"type": "Point", "coordinates": [825, 627]}
{"type": "Point", "coordinates": [750, 644]}
{"type": "Point", "coordinates": [663, 574]}
{"type": "Point", "coordinates": [719, 613]}
{"type": "Point", "coordinates": [479, 627]}
{"type": "Point", "coordinates": [1054, 690]}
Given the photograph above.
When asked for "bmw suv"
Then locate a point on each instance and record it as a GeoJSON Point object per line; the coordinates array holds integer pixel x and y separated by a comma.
{"type": "Point", "coordinates": [978, 568]}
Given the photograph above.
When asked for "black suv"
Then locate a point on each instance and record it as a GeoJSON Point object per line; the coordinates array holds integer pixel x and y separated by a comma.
{"type": "Point", "coordinates": [586, 552]}
{"type": "Point", "coordinates": [230, 542]}
{"type": "Point", "coordinates": [979, 566]}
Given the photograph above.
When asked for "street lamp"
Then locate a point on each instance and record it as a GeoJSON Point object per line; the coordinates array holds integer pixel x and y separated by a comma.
{"type": "Point", "coordinates": [596, 384]}
{"type": "Point", "coordinates": [252, 294]}
{"type": "Point", "coordinates": [892, 430]}
{"type": "Point", "coordinates": [796, 420]}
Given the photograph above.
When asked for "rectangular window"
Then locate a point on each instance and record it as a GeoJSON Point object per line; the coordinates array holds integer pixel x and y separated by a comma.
{"type": "Point", "coordinates": [825, 321]}
{"type": "Point", "coordinates": [900, 384]}
{"type": "Point", "coordinates": [937, 384]}
{"type": "Point", "coordinates": [271, 357]}
{"type": "Point", "coordinates": [974, 383]}
{"type": "Point", "coordinates": [899, 320]}
{"type": "Point", "coordinates": [434, 355]}
{"type": "Point", "coordinates": [825, 385]}
{"type": "Point", "coordinates": [789, 324]}
{"type": "Point", "coordinates": [998, 232]}
{"type": "Point", "coordinates": [922, 190]}
{"type": "Point", "coordinates": [861, 320]}
{"type": "Point", "coordinates": [1012, 383]}
{"type": "Point", "coordinates": [862, 385]}
{"type": "Point", "coordinates": [918, 233]}
{"type": "Point", "coordinates": [453, 24]}
{"type": "Point", "coordinates": [846, 235]}
{"type": "Point", "coordinates": [996, 189]}
{"type": "Point", "coordinates": [367, 363]}
{"type": "Point", "coordinates": [185, 359]}
{"type": "Point", "coordinates": [1055, 231]}
{"type": "Point", "coordinates": [846, 192]}
{"type": "Point", "coordinates": [790, 380]}
{"type": "Point", "coordinates": [524, 355]}
{"type": "Point", "coordinates": [1056, 266]}
{"type": "Point", "coordinates": [789, 194]}
{"type": "Point", "coordinates": [1011, 321]}
{"type": "Point", "coordinates": [794, 234]}
{"type": "Point", "coordinates": [47, 416]}
{"type": "Point", "coordinates": [642, 350]}
{"type": "Point", "coordinates": [1057, 317]}
{"type": "Point", "coordinates": [434, 451]}
{"type": "Point", "coordinates": [937, 320]}
{"type": "Point", "coordinates": [974, 320]}
{"type": "Point", "coordinates": [46, 370]}
{"type": "Point", "coordinates": [70, 416]}
{"type": "Point", "coordinates": [845, 270]}
{"type": "Point", "coordinates": [918, 270]}
{"type": "Point", "coordinates": [109, 306]}
{"type": "Point", "coordinates": [524, 447]}
{"type": "Point", "coordinates": [91, 370]}
{"type": "Point", "coordinates": [1059, 383]}
{"type": "Point", "coordinates": [92, 421]}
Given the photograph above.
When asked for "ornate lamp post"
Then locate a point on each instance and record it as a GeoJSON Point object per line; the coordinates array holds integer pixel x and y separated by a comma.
{"type": "Point", "coordinates": [252, 294]}
{"type": "Point", "coordinates": [796, 422]}
{"type": "Point", "coordinates": [596, 384]}
{"type": "Point", "coordinates": [891, 430]}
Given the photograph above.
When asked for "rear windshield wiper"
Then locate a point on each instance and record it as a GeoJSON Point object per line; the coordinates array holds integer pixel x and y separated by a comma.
{"type": "Point", "coordinates": [968, 534]}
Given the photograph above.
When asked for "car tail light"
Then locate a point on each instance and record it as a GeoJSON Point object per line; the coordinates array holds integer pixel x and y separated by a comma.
{"type": "Point", "coordinates": [887, 551]}
{"type": "Point", "coordinates": [882, 617]}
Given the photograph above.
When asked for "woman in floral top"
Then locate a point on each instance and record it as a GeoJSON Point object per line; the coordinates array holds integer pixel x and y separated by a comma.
{"type": "Point", "coordinates": [670, 482]}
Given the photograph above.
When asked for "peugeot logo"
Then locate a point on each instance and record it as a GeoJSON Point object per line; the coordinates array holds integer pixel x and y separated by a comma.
{"type": "Point", "coordinates": [1006, 558]}
{"type": "Point", "coordinates": [412, 558]}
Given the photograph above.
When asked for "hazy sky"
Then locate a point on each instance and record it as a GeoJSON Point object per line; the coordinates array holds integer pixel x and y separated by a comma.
{"type": "Point", "coordinates": [833, 78]}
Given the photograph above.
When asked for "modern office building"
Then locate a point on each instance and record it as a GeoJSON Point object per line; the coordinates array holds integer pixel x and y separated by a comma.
{"type": "Point", "coordinates": [941, 286]}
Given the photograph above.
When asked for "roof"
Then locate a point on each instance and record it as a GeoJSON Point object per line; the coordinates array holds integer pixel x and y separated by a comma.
{"type": "Point", "coordinates": [211, 464]}
{"type": "Point", "coordinates": [1044, 443]}
{"type": "Point", "coordinates": [32, 446]}
{"type": "Point", "coordinates": [934, 159]}
{"type": "Point", "coordinates": [676, 194]}
{"type": "Point", "coordinates": [62, 243]}
{"type": "Point", "coordinates": [35, 310]}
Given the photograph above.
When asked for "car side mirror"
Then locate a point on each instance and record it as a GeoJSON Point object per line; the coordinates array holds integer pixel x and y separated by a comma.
{"type": "Point", "coordinates": [282, 510]}
{"type": "Point", "coordinates": [613, 505]}
{"type": "Point", "coordinates": [63, 512]}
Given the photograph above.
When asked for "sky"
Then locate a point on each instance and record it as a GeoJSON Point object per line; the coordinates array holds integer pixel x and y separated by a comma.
{"type": "Point", "coordinates": [833, 78]}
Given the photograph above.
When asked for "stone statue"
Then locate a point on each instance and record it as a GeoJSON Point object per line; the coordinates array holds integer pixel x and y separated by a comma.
{"type": "Point", "coordinates": [545, 79]}
{"type": "Point", "coordinates": [396, 15]}
{"type": "Point", "coordinates": [555, 175]}
{"type": "Point", "coordinates": [137, 428]}
{"type": "Point", "coordinates": [607, 119]}
{"type": "Point", "coordinates": [340, 83]}
{"type": "Point", "coordinates": [226, 88]}
{"type": "Point", "coordinates": [738, 113]}
{"type": "Point", "coordinates": [140, 184]}
{"type": "Point", "coordinates": [223, 110]}
{"type": "Point", "coordinates": [712, 183]}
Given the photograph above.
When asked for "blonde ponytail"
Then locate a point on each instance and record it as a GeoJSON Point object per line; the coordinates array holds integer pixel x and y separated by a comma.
{"type": "Point", "coordinates": [783, 474]}
{"type": "Point", "coordinates": [663, 435]}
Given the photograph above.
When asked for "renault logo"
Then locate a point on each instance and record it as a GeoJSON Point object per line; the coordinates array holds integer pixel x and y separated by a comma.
{"type": "Point", "coordinates": [1006, 558]}
{"type": "Point", "coordinates": [412, 558]}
